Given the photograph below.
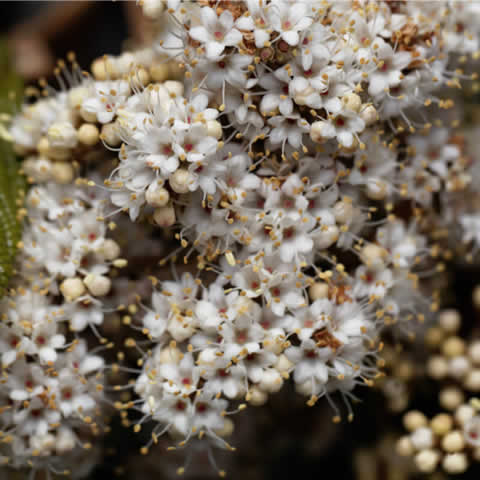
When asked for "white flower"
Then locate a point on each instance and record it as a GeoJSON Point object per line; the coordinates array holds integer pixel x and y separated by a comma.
{"type": "Point", "coordinates": [216, 33]}
{"type": "Point", "coordinates": [106, 99]}
{"type": "Point", "coordinates": [289, 19]}
{"type": "Point", "coordinates": [389, 67]}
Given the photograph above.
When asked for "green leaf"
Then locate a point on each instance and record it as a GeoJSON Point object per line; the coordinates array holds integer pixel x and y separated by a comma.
{"type": "Point", "coordinates": [12, 184]}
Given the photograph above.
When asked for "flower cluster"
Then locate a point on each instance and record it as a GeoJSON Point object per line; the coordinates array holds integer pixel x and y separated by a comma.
{"type": "Point", "coordinates": [288, 147]}
{"type": "Point", "coordinates": [52, 383]}
{"type": "Point", "coordinates": [450, 438]}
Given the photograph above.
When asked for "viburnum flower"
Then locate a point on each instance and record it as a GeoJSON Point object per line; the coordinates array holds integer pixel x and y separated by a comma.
{"type": "Point", "coordinates": [216, 33]}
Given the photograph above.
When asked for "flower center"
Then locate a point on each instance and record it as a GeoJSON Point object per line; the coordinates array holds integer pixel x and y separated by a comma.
{"type": "Point", "coordinates": [218, 35]}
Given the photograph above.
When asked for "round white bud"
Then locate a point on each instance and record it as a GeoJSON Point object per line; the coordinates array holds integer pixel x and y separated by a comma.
{"type": "Point", "coordinates": [343, 211]}
{"type": "Point", "coordinates": [318, 290]}
{"type": "Point", "coordinates": [110, 134]}
{"type": "Point", "coordinates": [88, 134]}
{"type": "Point", "coordinates": [103, 69]}
{"type": "Point", "coordinates": [39, 168]}
{"type": "Point", "coordinates": [153, 8]}
{"type": "Point", "coordinates": [427, 460]}
{"type": "Point", "coordinates": [455, 463]}
{"type": "Point", "coordinates": [139, 77]}
{"type": "Point", "coordinates": [413, 420]}
{"type": "Point", "coordinates": [441, 424]}
{"type": "Point", "coordinates": [62, 135]}
{"type": "Point", "coordinates": [283, 363]}
{"type": "Point", "coordinates": [472, 380]}
{"type": "Point", "coordinates": [90, 117]}
{"type": "Point", "coordinates": [377, 189]}
{"type": "Point", "coordinates": [329, 235]}
{"type": "Point", "coordinates": [464, 413]}
{"type": "Point", "coordinates": [271, 381]}
{"type": "Point", "coordinates": [164, 216]}
{"type": "Point", "coordinates": [170, 354]}
{"type": "Point", "coordinates": [422, 438]}
{"type": "Point", "coordinates": [180, 181]}
{"type": "Point", "coordinates": [318, 131]}
{"type": "Point", "coordinates": [157, 196]}
{"type": "Point", "coordinates": [449, 320]}
{"type": "Point", "coordinates": [62, 172]}
{"type": "Point", "coordinates": [453, 442]}
{"type": "Point", "coordinates": [76, 96]}
{"type": "Point", "coordinates": [459, 366]}
{"type": "Point", "coordinates": [352, 102]}
{"type": "Point", "coordinates": [404, 446]}
{"type": "Point", "coordinates": [214, 129]}
{"type": "Point", "coordinates": [180, 329]}
{"type": "Point", "coordinates": [72, 288]}
{"type": "Point", "coordinates": [98, 285]}
{"type": "Point", "coordinates": [453, 347]}
{"type": "Point", "coordinates": [450, 398]}
{"type": "Point", "coordinates": [369, 115]}
{"type": "Point", "coordinates": [159, 72]}
{"type": "Point", "coordinates": [437, 367]}
{"type": "Point", "coordinates": [373, 256]}
{"type": "Point", "coordinates": [110, 249]}
{"type": "Point", "coordinates": [257, 397]}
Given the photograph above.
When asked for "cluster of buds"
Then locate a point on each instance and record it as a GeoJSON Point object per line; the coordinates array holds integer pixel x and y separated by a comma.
{"type": "Point", "coordinates": [451, 439]}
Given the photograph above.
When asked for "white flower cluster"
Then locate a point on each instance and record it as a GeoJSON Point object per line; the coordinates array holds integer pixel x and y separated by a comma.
{"type": "Point", "coordinates": [52, 386]}
{"type": "Point", "coordinates": [451, 438]}
{"type": "Point", "coordinates": [290, 143]}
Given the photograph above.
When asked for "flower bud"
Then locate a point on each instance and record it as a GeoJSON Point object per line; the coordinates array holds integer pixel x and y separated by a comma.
{"type": "Point", "coordinates": [455, 463]}
{"type": "Point", "coordinates": [422, 438]}
{"type": "Point", "coordinates": [157, 196]}
{"type": "Point", "coordinates": [76, 96]}
{"type": "Point", "coordinates": [39, 168]}
{"type": "Point", "coordinates": [159, 72]}
{"type": "Point", "coordinates": [62, 135]}
{"type": "Point", "coordinates": [369, 115]}
{"type": "Point", "coordinates": [98, 285]}
{"type": "Point", "coordinates": [413, 420]}
{"type": "Point", "coordinates": [404, 446]}
{"type": "Point", "coordinates": [180, 181]}
{"type": "Point", "coordinates": [352, 102]}
{"type": "Point", "coordinates": [88, 134]}
{"type": "Point", "coordinates": [72, 288]}
{"type": "Point", "coordinates": [343, 211]}
{"type": "Point", "coordinates": [110, 249]}
{"type": "Point", "coordinates": [62, 172]}
{"type": "Point", "coordinates": [271, 381]}
{"type": "Point", "coordinates": [110, 134]}
{"type": "Point", "coordinates": [318, 290]}
{"type": "Point", "coordinates": [449, 320]}
{"type": "Point", "coordinates": [451, 398]}
{"type": "Point", "coordinates": [164, 216]}
{"type": "Point", "coordinates": [257, 397]}
{"type": "Point", "coordinates": [317, 131]}
{"type": "Point", "coordinates": [453, 442]}
{"type": "Point", "coordinates": [153, 8]}
{"type": "Point", "coordinates": [376, 189]}
{"type": "Point", "coordinates": [214, 129]}
{"type": "Point", "coordinates": [427, 460]}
